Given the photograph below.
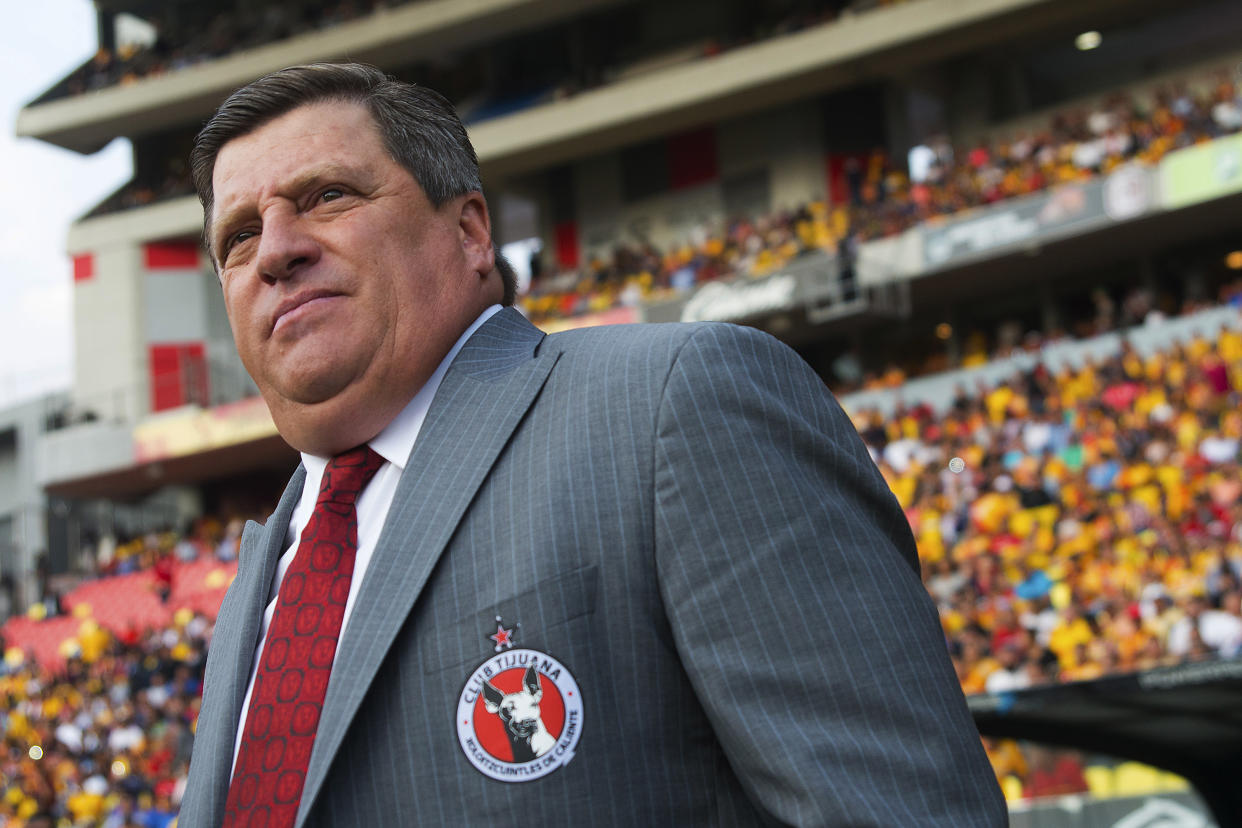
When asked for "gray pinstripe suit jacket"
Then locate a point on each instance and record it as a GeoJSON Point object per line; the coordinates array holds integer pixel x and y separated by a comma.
{"type": "Point", "coordinates": [681, 515]}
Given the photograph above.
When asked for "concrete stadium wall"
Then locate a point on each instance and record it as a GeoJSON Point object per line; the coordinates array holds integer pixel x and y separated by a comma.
{"type": "Point", "coordinates": [110, 364]}
{"type": "Point", "coordinates": [23, 512]}
{"type": "Point", "coordinates": [9, 497]}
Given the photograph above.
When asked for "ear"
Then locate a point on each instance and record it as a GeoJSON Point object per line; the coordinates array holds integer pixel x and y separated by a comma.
{"type": "Point", "coordinates": [492, 697]}
{"type": "Point", "coordinates": [475, 228]}
{"type": "Point", "coordinates": [531, 680]}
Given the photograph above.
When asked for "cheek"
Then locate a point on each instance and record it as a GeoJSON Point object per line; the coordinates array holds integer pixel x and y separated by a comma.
{"type": "Point", "coordinates": [231, 311]}
{"type": "Point", "coordinates": [243, 320]}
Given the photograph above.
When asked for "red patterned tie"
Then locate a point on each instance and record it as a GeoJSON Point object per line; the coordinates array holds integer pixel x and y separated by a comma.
{"type": "Point", "coordinates": [297, 656]}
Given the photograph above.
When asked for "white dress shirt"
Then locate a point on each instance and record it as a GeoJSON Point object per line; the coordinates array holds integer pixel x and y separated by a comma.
{"type": "Point", "coordinates": [394, 444]}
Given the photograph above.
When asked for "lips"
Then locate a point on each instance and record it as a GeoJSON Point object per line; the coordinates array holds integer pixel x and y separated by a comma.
{"type": "Point", "coordinates": [296, 301]}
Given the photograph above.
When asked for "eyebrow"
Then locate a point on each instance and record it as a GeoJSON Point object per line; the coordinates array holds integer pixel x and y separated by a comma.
{"type": "Point", "coordinates": [223, 224]}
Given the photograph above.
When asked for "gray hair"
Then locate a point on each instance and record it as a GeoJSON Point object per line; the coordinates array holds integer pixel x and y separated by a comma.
{"type": "Point", "coordinates": [419, 128]}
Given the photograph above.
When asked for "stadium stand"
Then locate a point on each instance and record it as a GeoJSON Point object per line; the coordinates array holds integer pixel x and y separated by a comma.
{"type": "Point", "coordinates": [100, 697]}
{"type": "Point", "coordinates": [1094, 525]}
{"type": "Point", "coordinates": [188, 35]}
{"type": "Point", "coordinates": [884, 199]}
{"type": "Point", "coordinates": [106, 740]}
{"type": "Point", "coordinates": [138, 586]}
{"type": "Point", "coordinates": [1096, 528]}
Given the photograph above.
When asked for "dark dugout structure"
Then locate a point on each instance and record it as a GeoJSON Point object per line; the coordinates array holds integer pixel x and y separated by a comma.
{"type": "Point", "coordinates": [1185, 719]}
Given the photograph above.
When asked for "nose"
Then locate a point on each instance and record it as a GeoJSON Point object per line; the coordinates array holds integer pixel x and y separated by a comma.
{"type": "Point", "coordinates": [285, 246]}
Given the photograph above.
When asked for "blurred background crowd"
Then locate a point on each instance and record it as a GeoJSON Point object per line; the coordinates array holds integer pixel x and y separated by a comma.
{"type": "Point", "coordinates": [100, 686]}
{"type": "Point", "coordinates": [1080, 521]}
{"type": "Point", "coordinates": [1093, 526]}
{"type": "Point", "coordinates": [887, 196]}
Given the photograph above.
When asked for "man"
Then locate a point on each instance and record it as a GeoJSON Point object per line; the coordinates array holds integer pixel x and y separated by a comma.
{"type": "Point", "coordinates": [641, 575]}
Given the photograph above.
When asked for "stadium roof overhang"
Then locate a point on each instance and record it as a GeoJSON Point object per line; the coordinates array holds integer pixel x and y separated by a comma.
{"type": "Point", "coordinates": [268, 454]}
{"type": "Point", "coordinates": [85, 123]}
{"type": "Point", "coordinates": [883, 43]}
{"type": "Point", "coordinates": [1186, 719]}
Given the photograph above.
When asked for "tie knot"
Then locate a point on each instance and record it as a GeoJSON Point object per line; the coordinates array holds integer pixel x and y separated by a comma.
{"type": "Point", "coordinates": [347, 474]}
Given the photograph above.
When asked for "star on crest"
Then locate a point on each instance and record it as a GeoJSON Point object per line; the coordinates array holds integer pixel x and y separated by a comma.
{"type": "Point", "coordinates": [503, 636]}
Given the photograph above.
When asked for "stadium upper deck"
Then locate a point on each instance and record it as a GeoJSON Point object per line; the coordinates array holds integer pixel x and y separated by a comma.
{"type": "Point", "coordinates": [652, 90]}
{"type": "Point", "coordinates": [771, 116]}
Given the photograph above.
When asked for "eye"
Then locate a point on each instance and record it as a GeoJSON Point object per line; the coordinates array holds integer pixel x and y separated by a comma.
{"type": "Point", "coordinates": [331, 194]}
{"type": "Point", "coordinates": [231, 242]}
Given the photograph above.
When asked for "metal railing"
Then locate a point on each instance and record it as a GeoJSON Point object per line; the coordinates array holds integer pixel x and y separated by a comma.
{"type": "Point", "coordinates": [216, 380]}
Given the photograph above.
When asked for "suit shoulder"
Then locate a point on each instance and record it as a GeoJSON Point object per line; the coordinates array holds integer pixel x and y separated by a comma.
{"type": "Point", "coordinates": [687, 355]}
{"type": "Point", "coordinates": [620, 336]}
{"type": "Point", "coordinates": [672, 336]}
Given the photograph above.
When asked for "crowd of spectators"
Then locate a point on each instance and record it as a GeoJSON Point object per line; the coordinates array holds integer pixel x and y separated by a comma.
{"type": "Point", "coordinates": [1075, 145]}
{"type": "Point", "coordinates": [97, 729]}
{"type": "Point", "coordinates": [882, 196]}
{"type": "Point", "coordinates": [106, 741]}
{"type": "Point", "coordinates": [636, 273]}
{"type": "Point", "coordinates": [186, 36]}
{"type": "Point", "coordinates": [150, 187]}
{"type": "Point", "coordinates": [853, 370]}
{"type": "Point", "coordinates": [209, 536]}
{"type": "Point", "coordinates": [1094, 526]}
{"type": "Point", "coordinates": [885, 197]}
{"type": "Point", "coordinates": [1094, 522]}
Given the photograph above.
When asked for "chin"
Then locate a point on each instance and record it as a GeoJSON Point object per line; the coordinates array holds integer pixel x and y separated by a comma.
{"type": "Point", "coordinates": [321, 430]}
{"type": "Point", "coordinates": [319, 383]}
{"type": "Point", "coordinates": [324, 418]}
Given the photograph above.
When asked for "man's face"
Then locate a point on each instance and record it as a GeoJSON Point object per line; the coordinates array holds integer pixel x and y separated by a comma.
{"type": "Point", "coordinates": [344, 286]}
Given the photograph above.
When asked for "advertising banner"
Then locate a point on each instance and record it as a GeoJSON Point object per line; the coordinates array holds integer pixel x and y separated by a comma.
{"type": "Point", "coordinates": [810, 278]}
{"type": "Point", "coordinates": [1014, 224]}
{"type": "Point", "coordinates": [891, 259]}
{"type": "Point", "coordinates": [1202, 172]}
{"type": "Point", "coordinates": [191, 430]}
{"type": "Point", "coordinates": [1156, 810]}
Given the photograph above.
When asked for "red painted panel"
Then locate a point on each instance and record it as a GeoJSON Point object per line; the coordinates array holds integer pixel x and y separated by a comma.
{"type": "Point", "coordinates": [178, 374]}
{"type": "Point", "coordinates": [165, 377]}
{"type": "Point", "coordinates": [568, 252]}
{"type": "Point", "coordinates": [171, 255]}
{"type": "Point", "coordinates": [83, 267]}
{"type": "Point", "coordinates": [692, 158]}
{"type": "Point", "coordinates": [840, 166]}
{"type": "Point", "coordinates": [194, 372]}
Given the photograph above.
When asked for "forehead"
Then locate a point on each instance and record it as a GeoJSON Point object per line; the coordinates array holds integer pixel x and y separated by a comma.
{"type": "Point", "coordinates": [323, 134]}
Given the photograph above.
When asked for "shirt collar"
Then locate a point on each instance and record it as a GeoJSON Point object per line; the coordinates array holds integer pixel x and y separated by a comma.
{"type": "Point", "coordinates": [396, 441]}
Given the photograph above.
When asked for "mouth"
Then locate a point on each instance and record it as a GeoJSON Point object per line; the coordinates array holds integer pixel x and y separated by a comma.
{"type": "Point", "coordinates": [293, 307]}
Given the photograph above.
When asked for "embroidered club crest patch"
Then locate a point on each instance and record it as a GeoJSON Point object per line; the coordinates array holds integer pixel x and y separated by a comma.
{"type": "Point", "coordinates": [519, 717]}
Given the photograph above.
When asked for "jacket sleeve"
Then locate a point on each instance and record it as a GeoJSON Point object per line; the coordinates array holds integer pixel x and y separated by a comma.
{"type": "Point", "coordinates": [790, 579]}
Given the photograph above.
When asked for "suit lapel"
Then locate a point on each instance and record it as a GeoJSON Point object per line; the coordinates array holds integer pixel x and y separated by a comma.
{"type": "Point", "coordinates": [484, 394]}
{"type": "Point", "coordinates": [237, 633]}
